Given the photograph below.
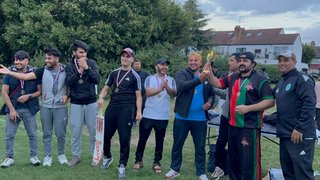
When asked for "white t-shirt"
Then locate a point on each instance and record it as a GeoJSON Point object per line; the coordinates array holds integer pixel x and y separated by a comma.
{"type": "Point", "coordinates": [157, 107]}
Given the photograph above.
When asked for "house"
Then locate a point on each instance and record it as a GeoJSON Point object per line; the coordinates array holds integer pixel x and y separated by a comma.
{"type": "Point", "coordinates": [266, 44]}
{"type": "Point", "coordinates": [314, 66]}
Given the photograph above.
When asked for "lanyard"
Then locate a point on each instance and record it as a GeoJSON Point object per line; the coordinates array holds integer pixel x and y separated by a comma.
{"type": "Point", "coordinates": [75, 62]}
{"type": "Point", "coordinates": [57, 76]}
{"type": "Point", "coordinates": [119, 82]}
{"type": "Point", "coordinates": [22, 84]}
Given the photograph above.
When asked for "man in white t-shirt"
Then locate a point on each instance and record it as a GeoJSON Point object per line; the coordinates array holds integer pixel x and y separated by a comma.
{"type": "Point", "coordinates": [159, 89]}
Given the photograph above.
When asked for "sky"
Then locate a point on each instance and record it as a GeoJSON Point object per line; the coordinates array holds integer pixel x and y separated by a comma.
{"type": "Point", "coordinates": [295, 16]}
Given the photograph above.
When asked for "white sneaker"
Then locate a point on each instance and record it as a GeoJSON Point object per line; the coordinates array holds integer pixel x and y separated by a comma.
{"type": "Point", "coordinates": [7, 162]}
{"type": "Point", "coordinates": [106, 162]}
{"type": "Point", "coordinates": [35, 161]}
{"type": "Point", "coordinates": [172, 174]}
{"type": "Point", "coordinates": [121, 171]}
{"type": "Point", "coordinates": [203, 177]}
{"type": "Point", "coordinates": [217, 173]}
{"type": "Point", "coordinates": [47, 161]}
{"type": "Point", "coordinates": [62, 159]}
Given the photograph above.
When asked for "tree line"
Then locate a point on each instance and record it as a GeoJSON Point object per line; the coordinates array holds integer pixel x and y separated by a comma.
{"type": "Point", "coordinates": [154, 28]}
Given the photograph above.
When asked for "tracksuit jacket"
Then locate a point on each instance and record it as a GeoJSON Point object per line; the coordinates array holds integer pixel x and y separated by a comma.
{"type": "Point", "coordinates": [296, 101]}
{"type": "Point", "coordinates": [185, 91]}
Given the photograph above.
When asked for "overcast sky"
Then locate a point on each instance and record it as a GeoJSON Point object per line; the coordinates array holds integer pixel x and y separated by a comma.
{"type": "Point", "coordinates": [295, 16]}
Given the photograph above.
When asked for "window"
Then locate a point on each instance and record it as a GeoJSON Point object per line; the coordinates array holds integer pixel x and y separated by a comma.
{"type": "Point", "coordinates": [230, 33]}
{"type": "Point", "coordinates": [259, 34]}
{"type": "Point", "coordinates": [278, 49]}
{"type": "Point", "coordinates": [241, 50]}
{"type": "Point", "coordinates": [248, 34]}
{"type": "Point", "coordinates": [257, 53]}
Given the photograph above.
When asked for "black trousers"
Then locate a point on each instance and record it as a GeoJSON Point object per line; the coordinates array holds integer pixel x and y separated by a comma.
{"type": "Point", "coordinates": [145, 128]}
{"type": "Point", "coordinates": [296, 159]}
{"type": "Point", "coordinates": [221, 152]}
{"type": "Point", "coordinates": [118, 118]}
{"type": "Point", "coordinates": [198, 131]}
{"type": "Point", "coordinates": [244, 154]}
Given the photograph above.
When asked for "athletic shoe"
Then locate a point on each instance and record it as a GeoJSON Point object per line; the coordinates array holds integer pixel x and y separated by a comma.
{"type": "Point", "coordinates": [47, 161]}
{"type": "Point", "coordinates": [217, 173]}
{"type": "Point", "coordinates": [62, 159]}
{"type": "Point", "coordinates": [203, 177]}
{"type": "Point", "coordinates": [121, 171]}
{"type": "Point", "coordinates": [172, 174]}
{"type": "Point", "coordinates": [7, 162]}
{"type": "Point", "coordinates": [35, 161]}
{"type": "Point", "coordinates": [75, 160]}
{"type": "Point", "coordinates": [106, 162]}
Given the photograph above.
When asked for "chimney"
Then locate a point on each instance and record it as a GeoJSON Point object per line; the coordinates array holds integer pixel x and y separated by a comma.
{"type": "Point", "coordinates": [313, 43]}
{"type": "Point", "coordinates": [238, 32]}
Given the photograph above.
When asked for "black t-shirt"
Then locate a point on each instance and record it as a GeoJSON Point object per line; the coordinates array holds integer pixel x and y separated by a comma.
{"type": "Point", "coordinates": [128, 82]}
{"type": "Point", "coordinates": [39, 73]}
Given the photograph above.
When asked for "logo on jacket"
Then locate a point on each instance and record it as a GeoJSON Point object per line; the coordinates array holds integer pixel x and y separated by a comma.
{"type": "Point", "coordinates": [127, 79]}
{"type": "Point", "coordinates": [288, 87]}
{"type": "Point", "coordinates": [249, 86]}
{"type": "Point", "coordinates": [244, 141]}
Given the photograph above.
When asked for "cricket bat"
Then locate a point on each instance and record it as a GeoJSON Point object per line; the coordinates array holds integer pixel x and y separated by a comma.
{"type": "Point", "coordinates": [98, 147]}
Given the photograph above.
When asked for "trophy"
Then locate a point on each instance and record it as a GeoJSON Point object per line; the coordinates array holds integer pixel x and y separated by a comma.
{"type": "Point", "coordinates": [212, 55]}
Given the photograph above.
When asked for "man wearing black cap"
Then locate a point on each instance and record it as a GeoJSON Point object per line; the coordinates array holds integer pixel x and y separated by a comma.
{"type": "Point", "coordinates": [54, 99]}
{"type": "Point", "coordinates": [250, 94]}
{"type": "Point", "coordinates": [159, 89]}
{"type": "Point", "coordinates": [21, 99]}
{"type": "Point", "coordinates": [296, 101]}
{"type": "Point", "coordinates": [82, 78]}
{"type": "Point", "coordinates": [124, 100]}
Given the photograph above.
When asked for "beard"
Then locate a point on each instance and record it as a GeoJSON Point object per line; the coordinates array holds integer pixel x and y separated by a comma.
{"type": "Point", "coordinates": [162, 71]}
{"type": "Point", "coordinates": [244, 69]}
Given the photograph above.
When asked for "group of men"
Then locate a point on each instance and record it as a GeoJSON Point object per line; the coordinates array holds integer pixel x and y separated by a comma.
{"type": "Point", "coordinates": [136, 95]}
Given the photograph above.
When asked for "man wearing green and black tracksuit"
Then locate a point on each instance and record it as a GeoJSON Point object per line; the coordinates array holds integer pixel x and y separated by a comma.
{"type": "Point", "coordinates": [250, 94]}
{"type": "Point", "coordinates": [296, 101]}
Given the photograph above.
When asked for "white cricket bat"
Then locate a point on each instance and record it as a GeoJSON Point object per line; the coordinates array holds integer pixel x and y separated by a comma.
{"type": "Point", "coordinates": [98, 147]}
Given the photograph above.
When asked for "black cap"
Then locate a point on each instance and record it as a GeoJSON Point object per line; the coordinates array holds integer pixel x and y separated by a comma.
{"type": "Point", "coordinates": [162, 61]}
{"type": "Point", "coordinates": [247, 55]}
{"type": "Point", "coordinates": [21, 54]}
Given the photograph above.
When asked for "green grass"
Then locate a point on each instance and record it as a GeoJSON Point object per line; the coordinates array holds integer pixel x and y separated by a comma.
{"type": "Point", "coordinates": [23, 170]}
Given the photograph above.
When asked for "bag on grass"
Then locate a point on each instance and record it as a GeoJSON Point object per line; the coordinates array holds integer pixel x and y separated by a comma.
{"type": "Point", "coordinates": [212, 158]}
{"type": "Point", "coordinates": [275, 174]}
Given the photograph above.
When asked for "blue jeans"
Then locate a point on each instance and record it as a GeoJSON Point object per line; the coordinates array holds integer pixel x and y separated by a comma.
{"type": "Point", "coordinates": [198, 131]}
{"type": "Point", "coordinates": [30, 125]}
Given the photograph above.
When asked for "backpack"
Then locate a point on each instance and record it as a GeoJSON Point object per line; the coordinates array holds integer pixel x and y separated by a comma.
{"type": "Point", "coordinates": [212, 158]}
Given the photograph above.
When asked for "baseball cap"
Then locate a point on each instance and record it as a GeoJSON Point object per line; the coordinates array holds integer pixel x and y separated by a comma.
{"type": "Point", "coordinates": [247, 55]}
{"type": "Point", "coordinates": [287, 54]}
{"type": "Point", "coordinates": [162, 61]}
{"type": "Point", "coordinates": [128, 51]}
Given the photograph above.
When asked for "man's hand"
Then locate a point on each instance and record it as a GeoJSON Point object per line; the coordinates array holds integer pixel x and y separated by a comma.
{"type": "Point", "coordinates": [206, 106]}
{"type": "Point", "coordinates": [296, 136]}
{"type": "Point", "coordinates": [64, 99]}
{"type": "Point", "coordinates": [82, 62]}
{"type": "Point", "coordinates": [242, 109]}
{"type": "Point", "coordinates": [4, 70]}
{"type": "Point", "coordinates": [139, 116]}
{"type": "Point", "coordinates": [23, 98]}
{"type": "Point", "coordinates": [13, 115]}
{"type": "Point", "coordinates": [164, 84]}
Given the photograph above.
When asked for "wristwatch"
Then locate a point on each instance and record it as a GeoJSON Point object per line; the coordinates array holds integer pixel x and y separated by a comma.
{"type": "Point", "coordinates": [30, 96]}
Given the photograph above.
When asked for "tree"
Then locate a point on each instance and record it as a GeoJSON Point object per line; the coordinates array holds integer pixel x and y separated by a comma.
{"type": "Point", "coordinates": [308, 53]}
{"type": "Point", "coordinates": [198, 22]}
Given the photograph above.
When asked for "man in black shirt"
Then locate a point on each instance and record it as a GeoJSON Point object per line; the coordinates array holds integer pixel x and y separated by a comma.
{"type": "Point", "coordinates": [82, 78]}
{"type": "Point", "coordinates": [296, 101]}
{"type": "Point", "coordinates": [125, 98]}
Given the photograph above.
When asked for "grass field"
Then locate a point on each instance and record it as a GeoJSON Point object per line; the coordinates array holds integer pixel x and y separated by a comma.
{"type": "Point", "coordinates": [22, 169]}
